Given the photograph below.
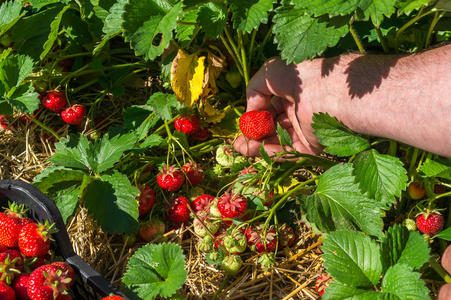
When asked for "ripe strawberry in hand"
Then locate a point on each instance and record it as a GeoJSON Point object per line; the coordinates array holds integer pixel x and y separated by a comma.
{"type": "Point", "coordinates": [430, 223]}
{"type": "Point", "coordinates": [146, 199]}
{"type": "Point", "coordinates": [187, 124]}
{"type": "Point", "coordinates": [170, 178]}
{"type": "Point", "coordinates": [177, 210]}
{"type": "Point", "coordinates": [34, 239]}
{"type": "Point", "coordinates": [54, 100]}
{"type": "Point", "coordinates": [232, 205]}
{"type": "Point", "coordinates": [194, 173]}
{"type": "Point", "coordinates": [74, 115]}
{"type": "Point", "coordinates": [256, 124]}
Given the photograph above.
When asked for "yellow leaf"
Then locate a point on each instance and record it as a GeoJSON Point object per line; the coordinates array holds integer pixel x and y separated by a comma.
{"type": "Point", "coordinates": [215, 65]}
{"type": "Point", "coordinates": [286, 184]}
{"type": "Point", "coordinates": [187, 77]}
{"type": "Point", "coordinates": [210, 114]}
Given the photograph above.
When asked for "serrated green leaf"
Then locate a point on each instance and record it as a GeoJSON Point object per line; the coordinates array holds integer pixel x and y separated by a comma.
{"type": "Point", "coordinates": [152, 141]}
{"type": "Point", "coordinates": [331, 7]}
{"type": "Point", "coordinates": [72, 152]}
{"type": "Point", "coordinates": [14, 70]}
{"type": "Point", "coordinates": [407, 6]}
{"type": "Point", "coordinates": [143, 129]}
{"type": "Point", "coordinates": [110, 150]}
{"type": "Point", "coordinates": [249, 14]}
{"type": "Point", "coordinates": [284, 136]}
{"type": "Point", "coordinates": [403, 246]}
{"type": "Point", "coordinates": [338, 139]}
{"type": "Point", "coordinates": [162, 103]}
{"type": "Point", "coordinates": [444, 235]}
{"type": "Point", "coordinates": [300, 36]}
{"type": "Point", "coordinates": [111, 199]}
{"type": "Point", "coordinates": [113, 24]}
{"type": "Point", "coordinates": [400, 282]}
{"type": "Point", "coordinates": [155, 270]}
{"type": "Point", "coordinates": [54, 31]}
{"type": "Point", "coordinates": [212, 18]}
{"type": "Point", "coordinates": [187, 28]}
{"type": "Point", "coordinates": [10, 13]}
{"type": "Point", "coordinates": [343, 291]}
{"type": "Point", "coordinates": [378, 9]}
{"type": "Point", "coordinates": [353, 258]}
{"type": "Point", "coordinates": [338, 204]}
{"type": "Point", "coordinates": [150, 34]}
{"type": "Point", "coordinates": [23, 98]}
{"type": "Point", "coordinates": [38, 4]}
{"type": "Point", "coordinates": [66, 199]}
{"type": "Point", "coordinates": [382, 176]}
{"type": "Point", "coordinates": [264, 154]}
{"type": "Point", "coordinates": [56, 174]}
{"type": "Point", "coordinates": [436, 168]}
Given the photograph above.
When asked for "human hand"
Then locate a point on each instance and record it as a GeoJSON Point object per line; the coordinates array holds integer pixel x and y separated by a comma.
{"type": "Point", "coordinates": [445, 291]}
{"type": "Point", "coordinates": [278, 88]}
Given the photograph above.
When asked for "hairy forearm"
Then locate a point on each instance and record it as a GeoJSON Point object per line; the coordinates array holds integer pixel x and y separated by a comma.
{"type": "Point", "coordinates": [402, 97]}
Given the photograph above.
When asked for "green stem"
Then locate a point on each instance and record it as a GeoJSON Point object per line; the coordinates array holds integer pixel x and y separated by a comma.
{"type": "Point", "coordinates": [251, 47]}
{"type": "Point", "coordinates": [232, 53]}
{"type": "Point", "coordinates": [392, 148]}
{"type": "Point", "coordinates": [382, 39]}
{"type": "Point", "coordinates": [413, 161]}
{"type": "Point", "coordinates": [82, 87]}
{"type": "Point", "coordinates": [243, 58]}
{"type": "Point", "coordinates": [356, 38]}
{"type": "Point", "coordinates": [439, 269]}
{"type": "Point", "coordinates": [44, 127]}
{"type": "Point", "coordinates": [168, 130]}
{"type": "Point", "coordinates": [431, 28]}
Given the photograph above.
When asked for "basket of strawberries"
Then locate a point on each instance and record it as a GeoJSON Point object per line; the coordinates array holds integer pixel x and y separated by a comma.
{"type": "Point", "coordinates": [37, 260]}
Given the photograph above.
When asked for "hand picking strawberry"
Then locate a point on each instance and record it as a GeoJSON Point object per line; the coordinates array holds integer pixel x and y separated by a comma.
{"type": "Point", "coordinates": [256, 124]}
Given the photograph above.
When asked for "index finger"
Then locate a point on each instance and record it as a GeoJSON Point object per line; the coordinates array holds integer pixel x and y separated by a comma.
{"type": "Point", "coordinates": [275, 77]}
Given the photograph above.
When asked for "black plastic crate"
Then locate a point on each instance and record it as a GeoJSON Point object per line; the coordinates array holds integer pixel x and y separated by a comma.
{"type": "Point", "coordinates": [90, 284]}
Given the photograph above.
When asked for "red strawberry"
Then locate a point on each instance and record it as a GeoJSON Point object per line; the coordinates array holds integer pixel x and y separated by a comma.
{"type": "Point", "coordinates": [34, 239]}
{"type": "Point", "coordinates": [416, 190]}
{"type": "Point", "coordinates": [11, 264]}
{"type": "Point", "coordinates": [430, 223]}
{"type": "Point", "coordinates": [20, 285]}
{"type": "Point", "coordinates": [256, 124]}
{"type": "Point", "coordinates": [171, 178]}
{"type": "Point", "coordinates": [202, 133]}
{"type": "Point", "coordinates": [68, 271]}
{"type": "Point", "coordinates": [4, 123]}
{"type": "Point", "coordinates": [48, 283]}
{"type": "Point", "coordinates": [193, 172]}
{"type": "Point", "coordinates": [261, 241]}
{"type": "Point", "coordinates": [54, 100]}
{"type": "Point", "coordinates": [285, 235]}
{"type": "Point", "coordinates": [113, 297]}
{"type": "Point", "coordinates": [146, 199]}
{"type": "Point", "coordinates": [6, 292]}
{"type": "Point", "coordinates": [187, 124]}
{"type": "Point", "coordinates": [202, 203]}
{"type": "Point", "coordinates": [232, 205]}
{"type": "Point", "coordinates": [74, 115]}
{"type": "Point", "coordinates": [439, 189]}
{"type": "Point", "coordinates": [322, 283]}
{"type": "Point", "coordinates": [177, 210]}
{"type": "Point", "coordinates": [152, 229]}
{"type": "Point", "coordinates": [11, 222]}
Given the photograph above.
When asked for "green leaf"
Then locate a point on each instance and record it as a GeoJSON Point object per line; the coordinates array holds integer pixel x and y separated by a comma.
{"type": "Point", "coordinates": [284, 136]}
{"type": "Point", "coordinates": [155, 270]}
{"type": "Point", "coordinates": [66, 199]}
{"type": "Point", "coordinates": [338, 204]}
{"type": "Point", "coordinates": [14, 70]}
{"type": "Point", "coordinates": [249, 14]}
{"type": "Point", "coordinates": [382, 176]}
{"type": "Point", "coordinates": [264, 154]}
{"type": "Point", "coordinates": [331, 7]}
{"type": "Point", "coordinates": [338, 139]}
{"type": "Point", "coordinates": [400, 282]}
{"type": "Point", "coordinates": [56, 174]}
{"type": "Point", "coordinates": [162, 103]}
{"type": "Point", "coordinates": [10, 13]}
{"type": "Point", "coordinates": [403, 246]}
{"type": "Point", "coordinates": [152, 141]}
{"type": "Point", "coordinates": [436, 168]}
{"type": "Point", "coordinates": [143, 130]}
{"type": "Point", "coordinates": [113, 24]}
{"type": "Point", "coordinates": [38, 4]}
{"type": "Point", "coordinates": [150, 34]}
{"type": "Point", "coordinates": [111, 150]}
{"type": "Point", "coordinates": [185, 32]}
{"type": "Point", "coordinates": [73, 152]}
{"type": "Point", "coordinates": [377, 9]}
{"type": "Point", "coordinates": [407, 6]}
{"type": "Point", "coordinates": [23, 98]}
{"type": "Point", "coordinates": [353, 258]}
{"type": "Point", "coordinates": [212, 18]}
{"type": "Point", "coordinates": [111, 200]}
{"type": "Point", "coordinates": [343, 291]}
{"type": "Point", "coordinates": [300, 36]}
{"type": "Point", "coordinates": [444, 235]}
{"type": "Point", "coordinates": [54, 31]}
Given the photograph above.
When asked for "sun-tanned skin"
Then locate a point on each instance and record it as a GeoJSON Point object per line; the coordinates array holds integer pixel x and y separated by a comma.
{"type": "Point", "coordinates": [402, 97]}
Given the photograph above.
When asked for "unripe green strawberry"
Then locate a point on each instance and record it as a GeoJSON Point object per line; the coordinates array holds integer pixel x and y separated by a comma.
{"type": "Point", "coordinates": [235, 242]}
{"type": "Point", "coordinates": [231, 264]}
{"type": "Point", "coordinates": [214, 211]}
{"type": "Point", "coordinates": [203, 224]}
{"type": "Point", "coordinates": [6, 40]}
{"type": "Point", "coordinates": [205, 244]}
{"type": "Point", "coordinates": [256, 124]}
{"type": "Point", "coordinates": [267, 260]}
{"type": "Point", "coordinates": [234, 78]}
{"type": "Point", "coordinates": [416, 190]}
{"type": "Point", "coordinates": [410, 224]}
{"type": "Point", "coordinates": [224, 156]}
{"type": "Point", "coordinates": [215, 172]}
